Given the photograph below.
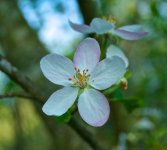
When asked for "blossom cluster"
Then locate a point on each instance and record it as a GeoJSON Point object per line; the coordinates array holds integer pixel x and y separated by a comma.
{"type": "Point", "coordinates": [84, 77]}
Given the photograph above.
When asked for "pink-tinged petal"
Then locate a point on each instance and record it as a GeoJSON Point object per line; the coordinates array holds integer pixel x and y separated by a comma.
{"type": "Point", "coordinates": [60, 101]}
{"type": "Point", "coordinates": [101, 26]}
{"type": "Point", "coordinates": [57, 69]}
{"type": "Point", "coordinates": [132, 28]}
{"type": "Point", "coordinates": [127, 35]}
{"type": "Point", "coordinates": [83, 28]}
{"type": "Point", "coordinates": [107, 73]}
{"type": "Point", "coordinates": [113, 50]}
{"type": "Point", "coordinates": [93, 107]}
{"type": "Point", "coordinates": [87, 54]}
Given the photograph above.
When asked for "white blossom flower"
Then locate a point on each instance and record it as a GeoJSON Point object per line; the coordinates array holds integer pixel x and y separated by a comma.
{"type": "Point", "coordinates": [82, 79]}
{"type": "Point", "coordinates": [113, 50]}
{"type": "Point", "coordinates": [102, 26]}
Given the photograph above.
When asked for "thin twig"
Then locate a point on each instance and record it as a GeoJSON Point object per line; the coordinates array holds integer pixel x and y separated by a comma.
{"type": "Point", "coordinates": [33, 91]}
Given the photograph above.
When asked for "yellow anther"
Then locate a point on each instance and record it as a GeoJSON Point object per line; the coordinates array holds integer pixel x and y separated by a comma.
{"type": "Point", "coordinates": [80, 78]}
{"type": "Point", "coordinates": [69, 78]}
{"type": "Point", "coordinates": [124, 83]}
{"type": "Point", "coordinates": [110, 19]}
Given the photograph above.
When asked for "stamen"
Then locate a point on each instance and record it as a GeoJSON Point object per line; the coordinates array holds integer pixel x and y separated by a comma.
{"type": "Point", "coordinates": [84, 73]}
{"type": "Point", "coordinates": [80, 78]}
{"type": "Point", "coordinates": [104, 17]}
{"type": "Point", "coordinates": [111, 19]}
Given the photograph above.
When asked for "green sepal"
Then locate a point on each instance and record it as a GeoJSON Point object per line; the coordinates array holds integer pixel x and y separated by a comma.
{"type": "Point", "coordinates": [128, 74]}
{"type": "Point", "coordinates": [65, 118]}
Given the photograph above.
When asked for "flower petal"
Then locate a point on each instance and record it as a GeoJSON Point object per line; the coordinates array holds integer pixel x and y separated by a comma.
{"type": "Point", "coordinates": [87, 54]}
{"type": "Point", "coordinates": [113, 50]}
{"type": "Point", "coordinates": [57, 69]}
{"type": "Point", "coordinates": [93, 107]}
{"type": "Point", "coordinates": [83, 28]}
{"type": "Point", "coordinates": [107, 73]}
{"type": "Point", "coordinates": [127, 35]}
{"type": "Point", "coordinates": [132, 28]}
{"type": "Point", "coordinates": [60, 101]}
{"type": "Point", "coordinates": [101, 26]}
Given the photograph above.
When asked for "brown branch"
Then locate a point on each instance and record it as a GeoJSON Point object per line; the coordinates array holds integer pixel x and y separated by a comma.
{"type": "Point", "coordinates": [15, 95]}
{"type": "Point", "coordinates": [23, 81]}
{"type": "Point", "coordinates": [86, 135]}
{"type": "Point", "coordinates": [31, 89]}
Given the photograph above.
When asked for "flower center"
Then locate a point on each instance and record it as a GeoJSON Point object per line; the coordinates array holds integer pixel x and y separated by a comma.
{"type": "Point", "coordinates": [80, 78]}
{"type": "Point", "coordinates": [110, 19]}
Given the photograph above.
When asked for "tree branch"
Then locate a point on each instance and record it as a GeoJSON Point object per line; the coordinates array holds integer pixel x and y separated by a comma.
{"type": "Point", "coordinates": [20, 79]}
{"type": "Point", "coordinates": [31, 89]}
{"type": "Point", "coordinates": [17, 95]}
{"type": "Point", "coordinates": [86, 135]}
